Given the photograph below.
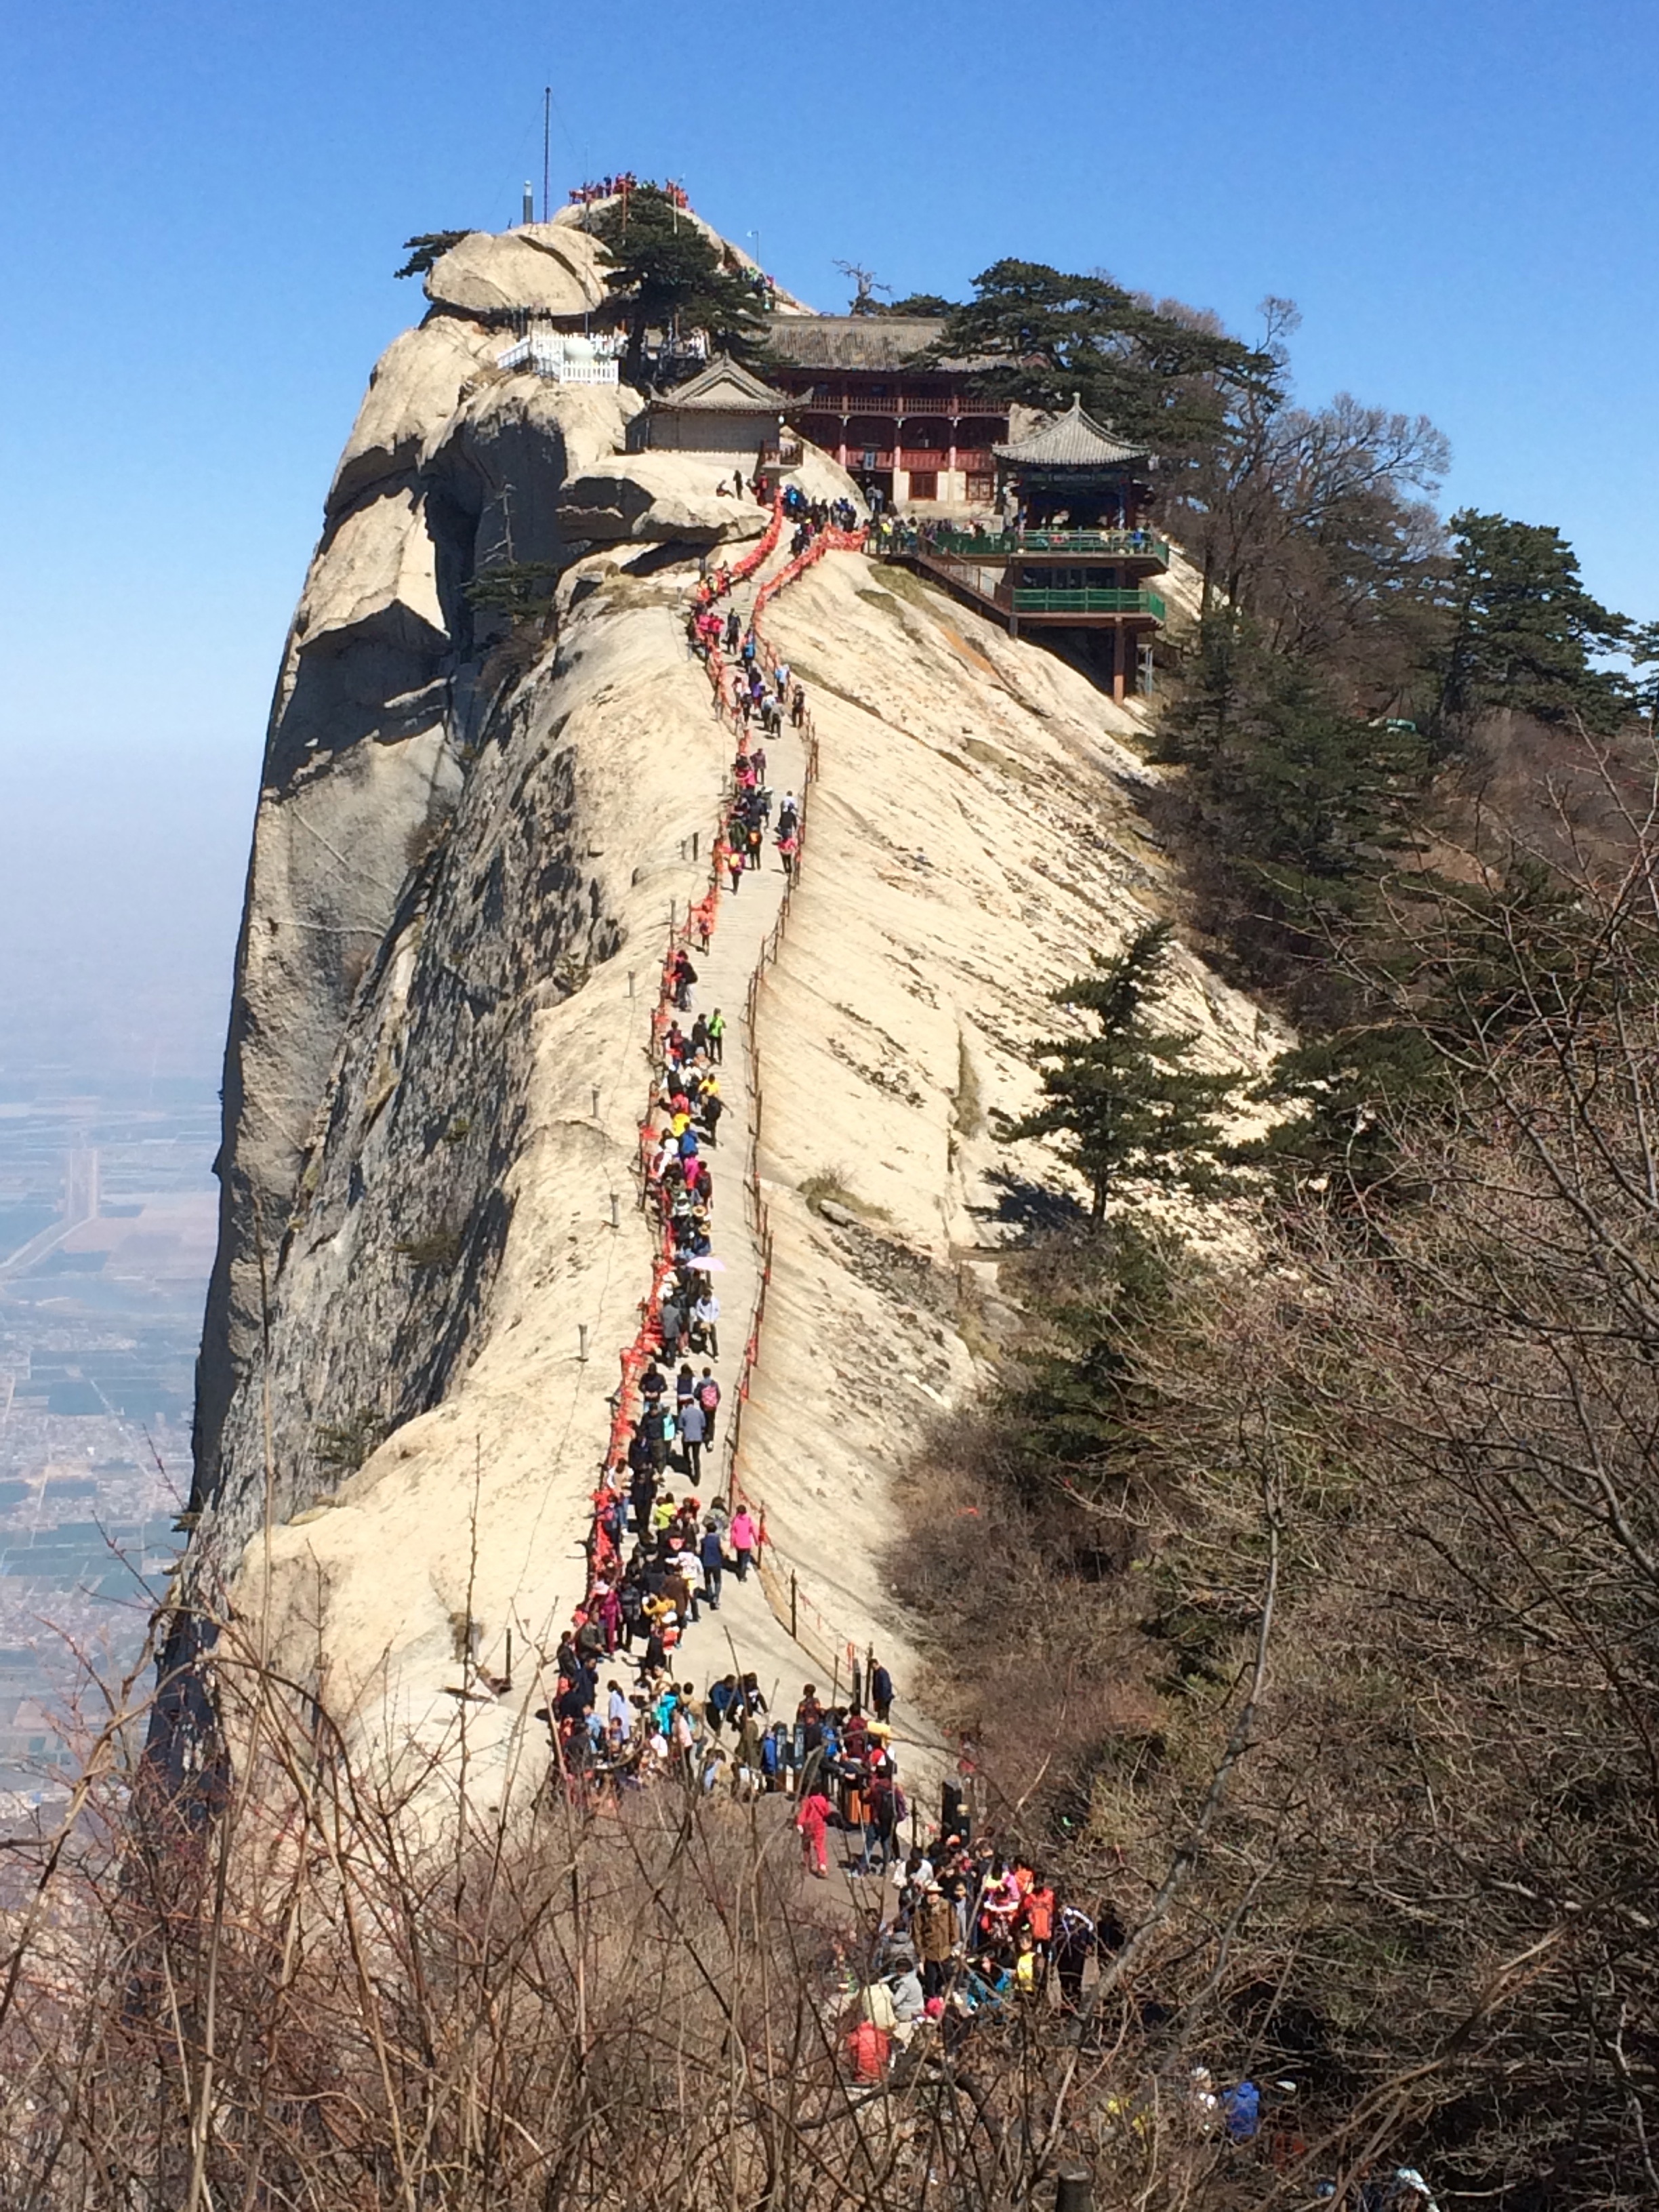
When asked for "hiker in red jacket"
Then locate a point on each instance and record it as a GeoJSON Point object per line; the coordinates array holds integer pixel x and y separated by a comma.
{"type": "Point", "coordinates": [811, 1821]}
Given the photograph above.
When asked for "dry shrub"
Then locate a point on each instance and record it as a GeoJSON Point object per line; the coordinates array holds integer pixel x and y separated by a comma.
{"type": "Point", "coordinates": [1035, 1664]}
{"type": "Point", "coordinates": [1425, 1892]}
{"type": "Point", "coordinates": [289, 1989]}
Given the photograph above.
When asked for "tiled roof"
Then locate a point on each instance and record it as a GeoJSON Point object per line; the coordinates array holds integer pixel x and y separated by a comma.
{"type": "Point", "coordinates": [724, 388]}
{"type": "Point", "coordinates": [850, 341]}
{"type": "Point", "coordinates": [1071, 440]}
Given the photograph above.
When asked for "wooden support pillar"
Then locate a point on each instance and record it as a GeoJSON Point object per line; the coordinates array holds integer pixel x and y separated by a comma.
{"type": "Point", "coordinates": [1122, 646]}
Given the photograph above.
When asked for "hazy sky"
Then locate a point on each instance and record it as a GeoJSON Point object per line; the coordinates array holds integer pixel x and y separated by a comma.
{"type": "Point", "coordinates": [205, 204]}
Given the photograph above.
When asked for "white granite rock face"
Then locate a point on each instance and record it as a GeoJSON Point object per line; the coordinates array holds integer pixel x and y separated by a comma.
{"type": "Point", "coordinates": [415, 382]}
{"type": "Point", "coordinates": [464, 859]}
{"type": "Point", "coordinates": [547, 269]}
{"type": "Point", "coordinates": [451, 467]}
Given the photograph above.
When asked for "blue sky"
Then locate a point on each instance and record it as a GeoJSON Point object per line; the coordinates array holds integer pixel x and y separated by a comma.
{"type": "Point", "coordinates": [204, 205]}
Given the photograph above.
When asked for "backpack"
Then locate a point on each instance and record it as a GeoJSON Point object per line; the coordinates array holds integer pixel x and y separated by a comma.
{"type": "Point", "coordinates": [1242, 2110]}
{"type": "Point", "coordinates": [901, 1806]}
{"type": "Point", "coordinates": [709, 1396]}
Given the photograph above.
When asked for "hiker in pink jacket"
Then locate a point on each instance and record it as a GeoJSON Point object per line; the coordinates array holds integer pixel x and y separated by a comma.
{"type": "Point", "coordinates": [744, 1537]}
{"type": "Point", "coordinates": [812, 1820]}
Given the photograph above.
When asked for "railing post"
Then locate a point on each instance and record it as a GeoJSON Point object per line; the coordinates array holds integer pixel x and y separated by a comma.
{"type": "Point", "coordinates": [794, 1603]}
{"type": "Point", "coordinates": [1074, 2190]}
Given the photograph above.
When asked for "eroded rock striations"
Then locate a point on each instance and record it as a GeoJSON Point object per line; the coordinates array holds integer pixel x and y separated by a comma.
{"type": "Point", "coordinates": [467, 848]}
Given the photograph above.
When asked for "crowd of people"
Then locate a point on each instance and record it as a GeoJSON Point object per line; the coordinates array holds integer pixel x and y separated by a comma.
{"type": "Point", "coordinates": [658, 1555]}
{"type": "Point", "coordinates": [966, 1931]}
{"type": "Point", "coordinates": [909, 533]}
{"type": "Point", "coordinates": [618, 186]}
{"type": "Point", "coordinates": [810, 516]}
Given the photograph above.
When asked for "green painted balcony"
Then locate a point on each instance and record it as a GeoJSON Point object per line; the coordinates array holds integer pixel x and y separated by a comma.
{"type": "Point", "coordinates": [1098, 544]}
{"type": "Point", "coordinates": [1030, 599]}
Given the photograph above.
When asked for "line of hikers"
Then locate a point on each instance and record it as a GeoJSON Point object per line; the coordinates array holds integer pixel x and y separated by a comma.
{"type": "Point", "coordinates": [645, 1593]}
{"type": "Point", "coordinates": [760, 696]}
{"type": "Point", "coordinates": [743, 839]}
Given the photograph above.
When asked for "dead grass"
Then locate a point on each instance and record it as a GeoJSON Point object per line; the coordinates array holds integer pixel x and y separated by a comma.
{"type": "Point", "coordinates": [275, 1992]}
{"type": "Point", "coordinates": [967, 1103]}
{"type": "Point", "coordinates": [831, 1184]}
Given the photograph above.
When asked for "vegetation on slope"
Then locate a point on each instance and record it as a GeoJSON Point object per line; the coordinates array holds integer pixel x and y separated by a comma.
{"type": "Point", "coordinates": [1306, 1609]}
{"type": "Point", "coordinates": [1302, 1612]}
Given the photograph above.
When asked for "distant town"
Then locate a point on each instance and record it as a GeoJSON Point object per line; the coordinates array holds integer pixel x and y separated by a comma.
{"type": "Point", "coordinates": [106, 1231]}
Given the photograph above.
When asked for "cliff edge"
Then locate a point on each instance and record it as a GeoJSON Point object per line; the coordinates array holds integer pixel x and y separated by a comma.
{"type": "Point", "coordinates": [470, 846]}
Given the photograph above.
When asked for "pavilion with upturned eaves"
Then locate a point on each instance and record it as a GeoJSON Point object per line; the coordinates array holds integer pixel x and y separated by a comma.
{"type": "Point", "coordinates": [1072, 471]}
{"type": "Point", "coordinates": [1073, 551]}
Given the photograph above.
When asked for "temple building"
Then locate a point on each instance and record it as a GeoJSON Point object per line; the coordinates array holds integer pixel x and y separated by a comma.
{"type": "Point", "coordinates": [1071, 549]}
{"type": "Point", "coordinates": [1072, 471]}
{"type": "Point", "coordinates": [910, 435]}
{"type": "Point", "coordinates": [726, 408]}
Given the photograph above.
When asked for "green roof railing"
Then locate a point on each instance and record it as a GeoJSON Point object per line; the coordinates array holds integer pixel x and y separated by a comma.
{"type": "Point", "coordinates": [1100, 544]}
{"type": "Point", "coordinates": [1034, 599]}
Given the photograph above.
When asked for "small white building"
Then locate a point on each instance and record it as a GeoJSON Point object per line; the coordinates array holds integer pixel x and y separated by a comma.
{"type": "Point", "coordinates": [725, 408]}
{"type": "Point", "coordinates": [565, 357]}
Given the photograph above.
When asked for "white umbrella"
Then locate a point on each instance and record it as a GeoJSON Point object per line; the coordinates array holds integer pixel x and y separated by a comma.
{"type": "Point", "coordinates": [709, 1265]}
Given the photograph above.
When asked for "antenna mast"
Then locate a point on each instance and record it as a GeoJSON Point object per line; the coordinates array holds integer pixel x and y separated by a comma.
{"type": "Point", "coordinates": [547, 136]}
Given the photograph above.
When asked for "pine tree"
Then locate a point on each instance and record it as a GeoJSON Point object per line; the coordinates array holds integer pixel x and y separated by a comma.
{"type": "Point", "coordinates": [1524, 629]}
{"type": "Point", "coordinates": [1125, 1099]}
{"type": "Point", "coordinates": [425, 247]}
{"type": "Point", "coordinates": [1166, 379]}
{"type": "Point", "coordinates": [666, 269]}
{"type": "Point", "coordinates": [1075, 1406]}
{"type": "Point", "coordinates": [1645, 655]}
{"type": "Point", "coordinates": [1298, 806]}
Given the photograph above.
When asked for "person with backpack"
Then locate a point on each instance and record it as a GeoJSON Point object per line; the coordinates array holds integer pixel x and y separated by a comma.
{"type": "Point", "coordinates": [934, 1927]}
{"type": "Point", "coordinates": [654, 1427]}
{"type": "Point", "coordinates": [708, 1397]}
{"type": "Point", "coordinates": [722, 1696]}
{"type": "Point", "coordinates": [884, 1810]}
{"type": "Point", "coordinates": [1071, 1947]}
{"type": "Point", "coordinates": [692, 1431]}
{"type": "Point", "coordinates": [642, 1490]}
{"type": "Point", "coordinates": [1038, 1914]}
{"type": "Point", "coordinates": [747, 1775]}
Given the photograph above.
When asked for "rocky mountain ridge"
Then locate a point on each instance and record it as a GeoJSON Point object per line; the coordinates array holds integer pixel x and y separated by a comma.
{"type": "Point", "coordinates": [466, 851]}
